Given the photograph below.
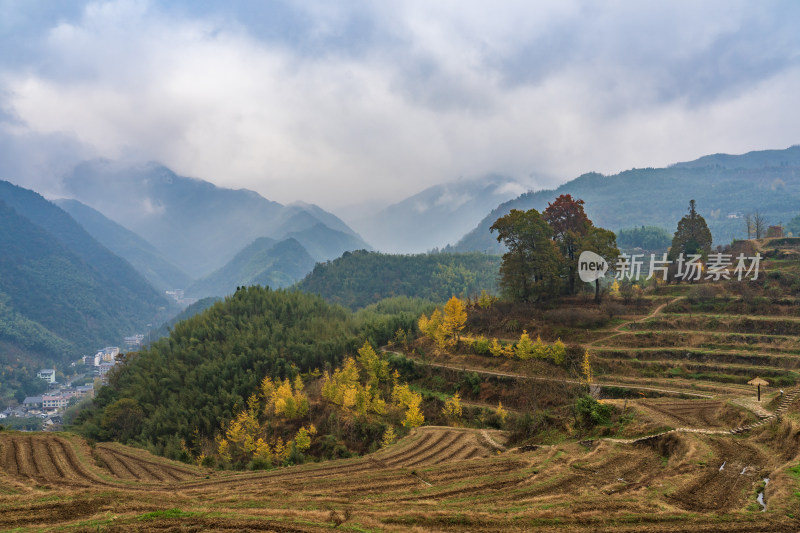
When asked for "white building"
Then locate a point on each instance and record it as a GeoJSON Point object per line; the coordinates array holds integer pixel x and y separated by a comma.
{"type": "Point", "coordinates": [107, 354]}
{"type": "Point", "coordinates": [47, 374]}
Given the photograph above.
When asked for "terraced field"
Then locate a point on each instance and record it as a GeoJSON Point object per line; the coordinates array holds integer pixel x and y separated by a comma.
{"type": "Point", "coordinates": [123, 463]}
{"type": "Point", "coordinates": [436, 479]}
{"type": "Point", "coordinates": [683, 368]}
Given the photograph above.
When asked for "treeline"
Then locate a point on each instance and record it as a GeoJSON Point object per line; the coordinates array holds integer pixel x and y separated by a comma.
{"type": "Point", "coordinates": [651, 238]}
{"type": "Point", "coordinates": [360, 278]}
{"type": "Point", "coordinates": [175, 396]}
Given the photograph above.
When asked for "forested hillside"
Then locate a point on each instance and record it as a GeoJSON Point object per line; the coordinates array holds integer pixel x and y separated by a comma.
{"type": "Point", "coordinates": [194, 309]}
{"type": "Point", "coordinates": [724, 187]}
{"type": "Point", "coordinates": [142, 255]}
{"type": "Point", "coordinates": [62, 295]}
{"type": "Point", "coordinates": [360, 278]}
{"type": "Point", "coordinates": [264, 262]}
{"type": "Point", "coordinates": [184, 387]}
{"type": "Point", "coordinates": [132, 290]}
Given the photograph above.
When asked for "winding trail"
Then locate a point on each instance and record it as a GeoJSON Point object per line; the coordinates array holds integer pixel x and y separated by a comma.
{"type": "Point", "coordinates": [787, 400]}
{"type": "Point", "coordinates": [485, 372]}
{"type": "Point", "coordinates": [618, 328]}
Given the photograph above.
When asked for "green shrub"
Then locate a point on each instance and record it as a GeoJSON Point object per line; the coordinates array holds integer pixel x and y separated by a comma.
{"type": "Point", "coordinates": [481, 345]}
{"type": "Point", "coordinates": [590, 412]}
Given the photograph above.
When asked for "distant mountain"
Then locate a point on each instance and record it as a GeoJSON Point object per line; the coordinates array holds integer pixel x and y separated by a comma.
{"type": "Point", "coordinates": [196, 225]}
{"type": "Point", "coordinates": [324, 243]}
{"type": "Point", "coordinates": [724, 186]}
{"type": "Point", "coordinates": [318, 215]}
{"type": "Point", "coordinates": [142, 255]}
{"type": "Point", "coordinates": [761, 159]}
{"type": "Point", "coordinates": [438, 215]}
{"type": "Point", "coordinates": [62, 294]}
{"type": "Point", "coordinates": [263, 262]}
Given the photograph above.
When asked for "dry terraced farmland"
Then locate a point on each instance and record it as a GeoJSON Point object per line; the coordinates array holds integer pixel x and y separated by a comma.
{"type": "Point", "coordinates": [436, 479]}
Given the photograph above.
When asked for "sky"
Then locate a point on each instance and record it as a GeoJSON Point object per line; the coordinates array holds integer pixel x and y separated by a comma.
{"type": "Point", "coordinates": [368, 102]}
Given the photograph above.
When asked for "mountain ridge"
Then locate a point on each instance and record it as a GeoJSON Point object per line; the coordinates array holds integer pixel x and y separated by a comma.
{"type": "Point", "coordinates": [142, 255]}
{"type": "Point", "coordinates": [195, 224]}
{"type": "Point", "coordinates": [435, 216]}
{"type": "Point", "coordinates": [724, 188]}
{"type": "Point", "coordinates": [263, 262]}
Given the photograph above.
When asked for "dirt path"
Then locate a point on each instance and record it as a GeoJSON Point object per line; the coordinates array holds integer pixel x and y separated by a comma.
{"type": "Point", "coordinates": [618, 328]}
{"type": "Point", "coordinates": [539, 378]}
{"type": "Point", "coordinates": [787, 400]}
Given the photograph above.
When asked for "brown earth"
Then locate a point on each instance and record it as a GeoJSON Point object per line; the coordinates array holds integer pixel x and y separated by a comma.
{"type": "Point", "coordinates": [436, 479]}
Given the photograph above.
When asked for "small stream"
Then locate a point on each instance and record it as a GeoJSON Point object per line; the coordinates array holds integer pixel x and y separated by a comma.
{"type": "Point", "coordinates": [760, 497]}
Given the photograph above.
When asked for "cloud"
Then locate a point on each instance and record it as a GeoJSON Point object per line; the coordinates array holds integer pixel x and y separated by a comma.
{"type": "Point", "coordinates": [340, 103]}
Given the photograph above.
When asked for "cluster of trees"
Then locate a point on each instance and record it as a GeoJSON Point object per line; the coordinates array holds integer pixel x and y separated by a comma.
{"type": "Point", "coordinates": [523, 349]}
{"type": "Point", "coordinates": [365, 387]}
{"type": "Point", "coordinates": [18, 381]}
{"type": "Point", "coordinates": [360, 278]}
{"type": "Point", "coordinates": [444, 327]}
{"type": "Point", "coordinates": [254, 436]}
{"type": "Point", "coordinates": [650, 238]}
{"type": "Point", "coordinates": [179, 392]}
{"type": "Point", "coordinates": [543, 249]}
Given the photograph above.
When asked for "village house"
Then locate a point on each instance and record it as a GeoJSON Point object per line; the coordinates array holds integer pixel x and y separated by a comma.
{"type": "Point", "coordinates": [59, 401]}
{"type": "Point", "coordinates": [32, 404]}
{"type": "Point", "coordinates": [47, 374]}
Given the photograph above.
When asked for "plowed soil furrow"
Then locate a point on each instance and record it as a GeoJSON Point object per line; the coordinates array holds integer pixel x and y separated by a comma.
{"type": "Point", "coordinates": [146, 470]}
{"type": "Point", "coordinates": [178, 475]}
{"type": "Point", "coordinates": [723, 490]}
{"type": "Point", "coordinates": [280, 478]}
{"type": "Point", "coordinates": [549, 486]}
{"type": "Point", "coordinates": [703, 414]}
{"type": "Point", "coordinates": [361, 465]}
{"type": "Point", "coordinates": [383, 487]}
{"type": "Point", "coordinates": [475, 453]}
{"type": "Point", "coordinates": [468, 470]}
{"type": "Point", "coordinates": [43, 456]}
{"type": "Point", "coordinates": [715, 491]}
{"type": "Point", "coordinates": [154, 471]}
{"type": "Point", "coordinates": [452, 453]}
{"type": "Point", "coordinates": [341, 470]}
{"type": "Point", "coordinates": [609, 462]}
{"type": "Point", "coordinates": [26, 466]}
{"type": "Point", "coordinates": [404, 459]}
{"type": "Point", "coordinates": [134, 466]}
{"type": "Point", "coordinates": [409, 451]}
{"type": "Point", "coordinates": [114, 465]}
{"type": "Point", "coordinates": [437, 450]}
{"type": "Point", "coordinates": [71, 465]}
{"type": "Point", "coordinates": [60, 455]}
{"type": "Point", "coordinates": [487, 487]}
{"type": "Point", "coordinates": [19, 458]}
{"type": "Point", "coordinates": [10, 457]}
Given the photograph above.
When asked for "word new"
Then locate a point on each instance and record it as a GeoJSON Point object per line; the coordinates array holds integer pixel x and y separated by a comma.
{"type": "Point", "coordinates": [690, 268]}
